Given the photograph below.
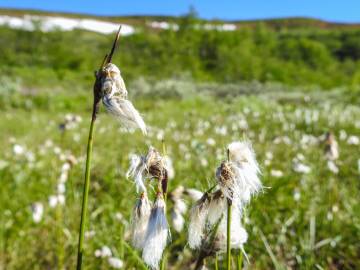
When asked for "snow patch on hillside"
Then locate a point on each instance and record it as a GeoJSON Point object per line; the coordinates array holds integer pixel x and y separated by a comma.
{"type": "Point", "coordinates": [208, 26]}
{"type": "Point", "coordinates": [47, 24]}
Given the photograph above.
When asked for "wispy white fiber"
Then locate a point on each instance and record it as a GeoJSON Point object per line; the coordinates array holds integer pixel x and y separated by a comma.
{"type": "Point", "coordinates": [157, 234]}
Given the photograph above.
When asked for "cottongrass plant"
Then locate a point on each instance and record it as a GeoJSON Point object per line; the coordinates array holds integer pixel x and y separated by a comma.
{"type": "Point", "coordinates": [179, 208]}
{"type": "Point", "coordinates": [109, 88]}
{"type": "Point", "coordinates": [219, 211]}
{"type": "Point", "coordinates": [150, 229]}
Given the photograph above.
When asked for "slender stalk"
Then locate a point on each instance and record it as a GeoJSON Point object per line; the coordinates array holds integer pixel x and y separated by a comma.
{"type": "Point", "coordinates": [216, 262]}
{"type": "Point", "coordinates": [60, 242]}
{"type": "Point", "coordinates": [239, 259]}
{"type": "Point", "coordinates": [228, 233]}
{"type": "Point", "coordinates": [97, 99]}
{"type": "Point", "coordinates": [85, 192]}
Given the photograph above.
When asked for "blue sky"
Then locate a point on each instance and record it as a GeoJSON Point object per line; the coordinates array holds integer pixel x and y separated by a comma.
{"type": "Point", "coordinates": [331, 10]}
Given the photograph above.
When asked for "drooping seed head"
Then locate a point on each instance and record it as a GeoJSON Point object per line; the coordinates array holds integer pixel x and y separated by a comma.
{"type": "Point", "coordinates": [140, 219]}
{"type": "Point", "coordinates": [157, 234]}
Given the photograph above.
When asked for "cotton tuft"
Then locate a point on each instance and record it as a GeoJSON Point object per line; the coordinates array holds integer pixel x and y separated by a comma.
{"type": "Point", "coordinates": [114, 98]}
{"type": "Point", "coordinates": [140, 220]}
{"type": "Point", "coordinates": [157, 234]}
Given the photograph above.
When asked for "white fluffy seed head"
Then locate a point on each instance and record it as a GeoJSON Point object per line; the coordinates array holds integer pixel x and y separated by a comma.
{"type": "Point", "coordinates": [148, 166]}
{"type": "Point", "coordinates": [156, 235]}
{"type": "Point", "coordinates": [198, 216]}
{"type": "Point", "coordinates": [37, 211]}
{"type": "Point", "coordinates": [177, 220]}
{"type": "Point", "coordinates": [136, 170]}
{"type": "Point", "coordinates": [239, 235]}
{"type": "Point", "coordinates": [194, 194]}
{"type": "Point", "coordinates": [125, 112]}
{"type": "Point", "coordinates": [245, 169]}
{"type": "Point", "coordinates": [180, 206]}
{"type": "Point", "coordinates": [169, 167]}
{"type": "Point", "coordinates": [217, 207]}
{"type": "Point", "coordinates": [111, 81]}
{"type": "Point", "coordinates": [140, 220]}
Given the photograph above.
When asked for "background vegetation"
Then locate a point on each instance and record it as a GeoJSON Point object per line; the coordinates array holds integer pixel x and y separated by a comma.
{"type": "Point", "coordinates": [281, 83]}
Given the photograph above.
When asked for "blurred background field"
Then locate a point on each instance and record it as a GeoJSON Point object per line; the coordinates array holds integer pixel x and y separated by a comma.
{"type": "Point", "coordinates": [281, 83]}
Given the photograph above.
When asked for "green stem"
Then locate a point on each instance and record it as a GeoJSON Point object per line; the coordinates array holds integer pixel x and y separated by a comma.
{"type": "Point", "coordinates": [228, 242]}
{"type": "Point", "coordinates": [60, 244]}
{"type": "Point", "coordinates": [239, 260]}
{"type": "Point", "coordinates": [216, 262]}
{"type": "Point", "coordinates": [85, 192]}
{"type": "Point", "coordinates": [135, 255]}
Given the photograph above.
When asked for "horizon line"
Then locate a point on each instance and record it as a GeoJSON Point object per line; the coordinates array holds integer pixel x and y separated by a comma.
{"type": "Point", "coordinates": [179, 16]}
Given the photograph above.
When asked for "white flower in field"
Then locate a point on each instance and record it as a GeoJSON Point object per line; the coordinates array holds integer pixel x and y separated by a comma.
{"type": "Point", "coordinates": [282, 139]}
{"type": "Point", "coordinates": [37, 211]}
{"type": "Point", "coordinates": [239, 235]}
{"type": "Point", "coordinates": [204, 162]}
{"type": "Point", "coordinates": [300, 167]}
{"type": "Point", "coordinates": [300, 157]}
{"type": "Point", "coordinates": [276, 173]}
{"type": "Point", "coordinates": [61, 199]}
{"type": "Point", "coordinates": [115, 262]}
{"type": "Point", "coordinates": [157, 234]}
{"type": "Point", "coordinates": [119, 216]}
{"type": "Point", "coordinates": [61, 188]}
{"type": "Point", "coordinates": [65, 167]}
{"type": "Point", "coordinates": [115, 99]}
{"type": "Point", "coordinates": [331, 147]}
{"type": "Point", "coordinates": [125, 112]}
{"type": "Point", "coordinates": [198, 216]}
{"type": "Point", "coordinates": [307, 140]}
{"type": "Point", "coordinates": [30, 156]}
{"type": "Point", "coordinates": [217, 207]}
{"type": "Point", "coordinates": [18, 149]}
{"type": "Point", "coordinates": [150, 166]}
{"type": "Point", "coordinates": [169, 167]}
{"type": "Point", "coordinates": [136, 169]}
{"type": "Point", "coordinates": [180, 206]}
{"type": "Point", "coordinates": [104, 252]}
{"type": "Point", "coordinates": [332, 167]}
{"type": "Point", "coordinates": [297, 195]}
{"type": "Point", "coordinates": [49, 143]}
{"type": "Point", "coordinates": [97, 253]}
{"type": "Point", "coordinates": [221, 130]}
{"type": "Point", "coordinates": [63, 177]}
{"type": "Point", "coordinates": [243, 124]}
{"type": "Point", "coordinates": [194, 194]}
{"type": "Point", "coordinates": [53, 201]}
{"type": "Point", "coordinates": [90, 234]}
{"type": "Point", "coordinates": [160, 135]}
{"type": "Point", "coordinates": [269, 155]}
{"type": "Point", "coordinates": [239, 177]}
{"type": "Point", "coordinates": [342, 135]}
{"type": "Point", "coordinates": [57, 150]}
{"type": "Point", "coordinates": [211, 141]}
{"type": "Point", "coordinates": [177, 220]}
{"type": "Point", "coordinates": [353, 140]}
{"type": "Point", "coordinates": [140, 220]}
{"type": "Point", "coordinates": [335, 208]}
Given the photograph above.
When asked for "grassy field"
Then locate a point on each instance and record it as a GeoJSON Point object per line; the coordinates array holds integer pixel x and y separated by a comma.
{"type": "Point", "coordinates": [301, 220]}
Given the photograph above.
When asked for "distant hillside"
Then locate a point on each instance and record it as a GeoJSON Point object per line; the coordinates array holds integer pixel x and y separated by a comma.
{"type": "Point", "coordinates": [293, 51]}
{"type": "Point", "coordinates": [141, 21]}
